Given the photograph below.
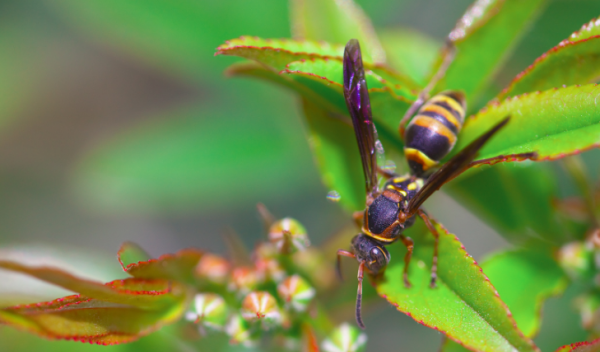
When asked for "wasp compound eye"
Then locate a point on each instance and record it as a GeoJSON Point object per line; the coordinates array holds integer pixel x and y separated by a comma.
{"type": "Point", "coordinates": [378, 259]}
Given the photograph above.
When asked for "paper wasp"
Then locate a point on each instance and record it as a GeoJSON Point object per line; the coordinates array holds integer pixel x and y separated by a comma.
{"type": "Point", "coordinates": [428, 138]}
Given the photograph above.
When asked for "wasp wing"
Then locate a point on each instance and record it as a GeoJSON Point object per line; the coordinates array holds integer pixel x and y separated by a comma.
{"type": "Point", "coordinates": [359, 106]}
{"type": "Point", "coordinates": [454, 167]}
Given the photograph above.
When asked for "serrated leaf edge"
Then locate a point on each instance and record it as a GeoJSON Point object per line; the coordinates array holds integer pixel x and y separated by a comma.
{"type": "Point", "coordinates": [490, 285]}
{"type": "Point", "coordinates": [163, 257]}
{"type": "Point", "coordinates": [564, 44]}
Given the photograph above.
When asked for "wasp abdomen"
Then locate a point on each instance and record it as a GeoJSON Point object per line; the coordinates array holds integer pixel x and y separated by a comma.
{"type": "Point", "coordinates": [431, 134]}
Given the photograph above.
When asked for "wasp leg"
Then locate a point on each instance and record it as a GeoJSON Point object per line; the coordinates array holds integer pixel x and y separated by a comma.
{"type": "Point", "coordinates": [450, 53]}
{"type": "Point", "coordinates": [436, 236]}
{"type": "Point", "coordinates": [408, 242]}
{"type": "Point", "coordinates": [358, 217]}
{"type": "Point", "coordinates": [341, 253]}
{"type": "Point", "coordinates": [359, 321]}
{"type": "Point", "coordinates": [501, 158]}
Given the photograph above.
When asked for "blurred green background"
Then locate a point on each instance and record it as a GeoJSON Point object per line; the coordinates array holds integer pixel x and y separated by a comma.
{"type": "Point", "coordinates": [117, 123]}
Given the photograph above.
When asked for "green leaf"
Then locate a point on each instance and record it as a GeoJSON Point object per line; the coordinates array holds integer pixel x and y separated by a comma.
{"type": "Point", "coordinates": [524, 279]}
{"type": "Point", "coordinates": [277, 53]}
{"type": "Point", "coordinates": [593, 346]}
{"type": "Point", "coordinates": [325, 95]}
{"type": "Point", "coordinates": [85, 319]}
{"type": "Point", "coordinates": [320, 81]}
{"type": "Point", "coordinates": [484, 37]}
{"type": "Point", "coordinates": [307, 57]}
{"type": "Point", "coordinates": [335, 22]}
{"type": "Point", "coordinates": [464, 306]}
{"type": "Point", "coordinates": [518, 205]}
{"type": "Point", "coordinates": [120, 292]}
{"type": "Point", "coordinates": [334, 146]}
{"type": "Point", "coordinates": [179, 266]}
{"type": "Point", "coordinates": [378, 77]}
{"type": "Point", "coordinates": [189, 158]}
{"type": "Point", "coordinates": [575, 60]}
{"type": "Point", "coordinates": [411, 52]}
{"type": "Point", "coordinates": [553, 123]}
{"type": "Point", "coordinates": [173, 37]}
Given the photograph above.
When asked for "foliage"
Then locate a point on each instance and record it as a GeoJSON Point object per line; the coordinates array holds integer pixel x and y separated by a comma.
{"type": "Point", "coordinates": [492, 306]}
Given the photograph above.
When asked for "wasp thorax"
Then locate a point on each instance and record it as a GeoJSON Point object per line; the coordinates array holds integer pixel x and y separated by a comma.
{"type": "Point", "coordinates": [370, 251]}
{"type": "Point", "coordinates": [383, 213]}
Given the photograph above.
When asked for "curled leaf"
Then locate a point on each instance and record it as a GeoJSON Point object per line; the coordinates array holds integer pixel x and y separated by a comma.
{"type": "Point", "coordinates": [131, 253]}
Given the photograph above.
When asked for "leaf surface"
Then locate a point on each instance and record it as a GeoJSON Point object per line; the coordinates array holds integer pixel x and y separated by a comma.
{"type": "Point", "coordinates": [85, 319]}
{"type": "Point", "coordinates": [308, 57]}
{"type": "Point", "coordinates": [335, 22]}
{"type": "Point", "coordinates": [484, 37]}
{"type": "Point", "coordinates": [553, 123]}
{"type": "Point", "coordinates": [575, 60]}
{"type": "Point", "coordinates": [518, 205]}
{"type": "Point", "coordinates": [277, 53]}
{"type": "Point", "coordinates": [525, 278]}
{"type": "Point", "coordinates": [464, 306]}
{"type": "Point", "coordinates": [336, 152]}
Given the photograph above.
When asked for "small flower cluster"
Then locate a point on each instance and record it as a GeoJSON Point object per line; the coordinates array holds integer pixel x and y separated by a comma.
{"type": "Point", "coordinates": [271, 293]}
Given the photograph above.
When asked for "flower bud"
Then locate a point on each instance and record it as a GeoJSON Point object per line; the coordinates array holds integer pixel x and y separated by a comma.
{"type": "Point", "coordinates": [261, 307]}
{"type": "Point", "coordinates": [243, 280]}
{"type": "Point", "coordinates": [239, 331]}
{"type": "Point", "coordinates": [289, 236]}
{"type": "Point", "coordinates": [296, 293]}
{"type": "Point", "coordinates": [577, 260]}
{"type": "Point", "coordinates": [210, 310]}
{"type": "Point", "coordinates": [213, 268]}
{"type": "Point", "coordinates": [269, 269]}
{"type": "Point", "coordinates": [345, 338]}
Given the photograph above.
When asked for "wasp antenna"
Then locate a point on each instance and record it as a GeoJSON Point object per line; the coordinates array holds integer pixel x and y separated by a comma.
{"type": "Point", "coordinates": [359, 320]}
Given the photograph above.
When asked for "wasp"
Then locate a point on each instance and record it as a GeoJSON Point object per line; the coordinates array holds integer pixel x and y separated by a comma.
{"type": "Point", "coordinates": [429, 136]}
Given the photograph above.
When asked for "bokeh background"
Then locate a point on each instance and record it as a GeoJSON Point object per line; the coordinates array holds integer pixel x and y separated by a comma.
{"type": "Point", "coordinates": [117, 123]}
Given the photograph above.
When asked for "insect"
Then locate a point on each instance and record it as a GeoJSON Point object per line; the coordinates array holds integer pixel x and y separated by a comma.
{"type": "Point", "coordinates": [428, 138]}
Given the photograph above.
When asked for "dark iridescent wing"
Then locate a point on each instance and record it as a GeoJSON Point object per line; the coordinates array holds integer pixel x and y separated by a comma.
{"type": "Point", "coordinates": [451, 169]}
{"type": "Point", "coordinates": [359, 106]}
